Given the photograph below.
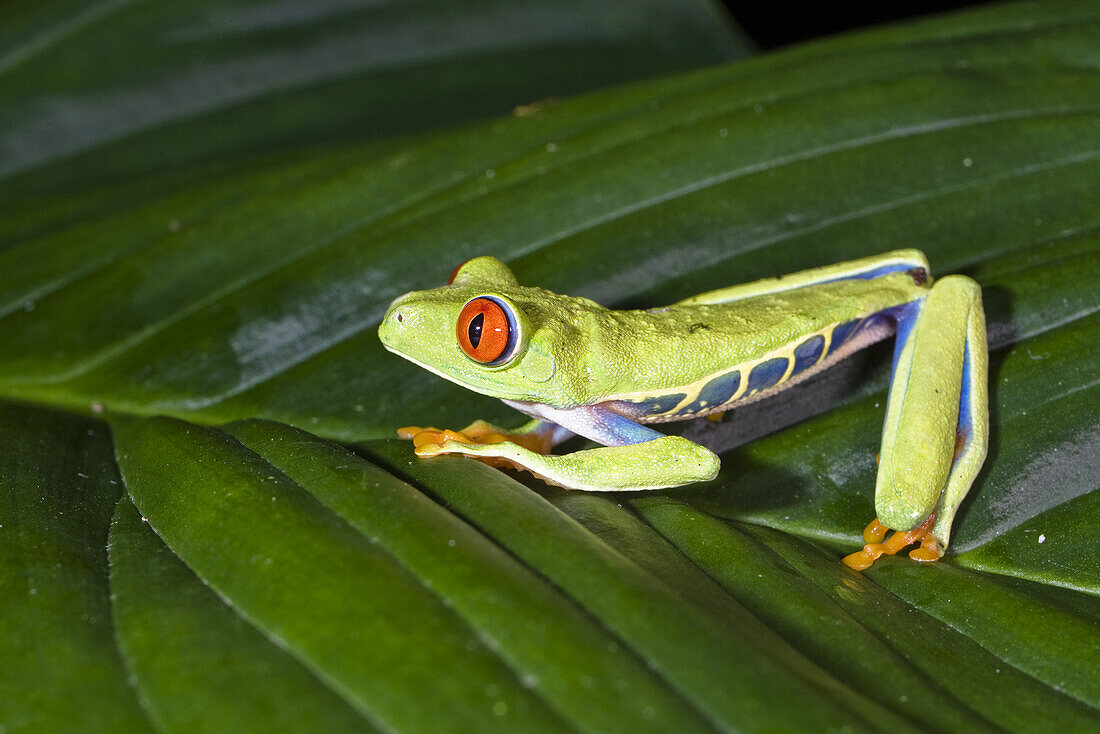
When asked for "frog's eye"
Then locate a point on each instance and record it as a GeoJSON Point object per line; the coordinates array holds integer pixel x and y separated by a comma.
{"type": "Point", "coordinates": [486, 331]}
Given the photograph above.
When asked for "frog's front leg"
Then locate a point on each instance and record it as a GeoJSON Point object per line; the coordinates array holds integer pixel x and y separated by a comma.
{"type": "Point", "coordinates": [937, 422]}
{"type": "Point", "coordinates": [634, 457]}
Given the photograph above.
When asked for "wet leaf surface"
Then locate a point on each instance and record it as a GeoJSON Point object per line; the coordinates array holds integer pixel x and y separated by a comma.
{"type": "Point", "coordinates": [359, 588]}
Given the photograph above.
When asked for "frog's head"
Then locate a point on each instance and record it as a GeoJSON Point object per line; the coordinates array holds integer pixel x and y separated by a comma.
{"type": "Point", "coordinates": [477, 331]}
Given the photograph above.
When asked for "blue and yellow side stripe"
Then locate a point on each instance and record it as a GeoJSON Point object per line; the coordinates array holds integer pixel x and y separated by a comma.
{"type": "Point", "coordinates": [718, 392]}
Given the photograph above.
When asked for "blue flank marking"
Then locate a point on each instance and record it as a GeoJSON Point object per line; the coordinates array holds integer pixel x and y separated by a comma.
{"type": "Point", "coordinates": [841, 334]}
{"type": "Point", "coordinates": [808, 353]}
{"type": "Point", "coordinates": [766, 374]}
{"type": "Point", "coordinates": [661, 405]}
{"type": "Point", "coordinates": [716, 392]}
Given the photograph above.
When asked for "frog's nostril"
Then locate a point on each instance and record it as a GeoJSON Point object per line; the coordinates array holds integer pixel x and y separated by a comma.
{"type": "Point", "coordinates": [400, 317]}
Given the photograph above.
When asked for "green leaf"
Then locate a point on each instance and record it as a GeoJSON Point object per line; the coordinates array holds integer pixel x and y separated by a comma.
{"type": "Point", "coordinates": [354, 586]}
{"type": "Point", "coordinates": [116, 89]}
{"type": "Point", "coordinates": [342, 605]}
{"type": "Point", "coordinates": [576, 665]}
{"type": "Point", "coordinates": [59, 667]}
{"type": "Point", "coordinates": [732, 668]}
{"type": "Point", "coordinates": [925, 663]}
{"type": "Point", "coordinates": [176, 635]}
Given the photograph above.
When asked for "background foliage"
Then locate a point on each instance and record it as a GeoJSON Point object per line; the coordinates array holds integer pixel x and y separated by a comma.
{"type": "Point", "coordinates": [204, 210]}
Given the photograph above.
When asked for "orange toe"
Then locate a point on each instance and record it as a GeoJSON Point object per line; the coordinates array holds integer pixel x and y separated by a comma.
{"type": "Point", "coordinates": [862, 559]}
{"type": "Point", "coordinates": [407, 432]}
{"type": "Point", "coordinates": [929, 550]}
{"type": "Point", "coordinates": [875, 532]}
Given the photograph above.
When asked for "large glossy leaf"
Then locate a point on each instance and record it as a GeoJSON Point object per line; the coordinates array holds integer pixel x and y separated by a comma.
{"type": "Point", "coordinates": [61, 670]}
{"type": "Point", "coordinates": [178, 637]}
{"type": "Point", "coordinates": [327, 586]}
{"type": "Point", "coordinates": [117, 88]}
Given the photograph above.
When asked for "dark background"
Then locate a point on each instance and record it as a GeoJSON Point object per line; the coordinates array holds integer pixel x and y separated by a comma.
{"type": "Point", "coordinates": [773, 24]}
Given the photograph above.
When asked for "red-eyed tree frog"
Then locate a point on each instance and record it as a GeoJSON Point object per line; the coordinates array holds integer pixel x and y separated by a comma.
{"type": "Point", "coordinates": [576, 367]}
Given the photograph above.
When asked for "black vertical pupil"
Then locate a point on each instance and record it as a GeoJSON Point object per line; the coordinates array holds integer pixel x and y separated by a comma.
{"type": "Point", "coordinates": [475, 329]}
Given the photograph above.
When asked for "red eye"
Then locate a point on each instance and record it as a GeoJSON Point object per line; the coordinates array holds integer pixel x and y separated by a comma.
{"type": "Point", "coordinates": [483, 330]}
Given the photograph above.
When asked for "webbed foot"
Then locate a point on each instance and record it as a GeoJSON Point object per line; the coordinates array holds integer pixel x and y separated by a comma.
{"type": "Point", "coordinates": [479, 433]}
{"type": "Point", "coordinates": [482, 441]}
{"type": "Point", "coordinates": [469, 441]}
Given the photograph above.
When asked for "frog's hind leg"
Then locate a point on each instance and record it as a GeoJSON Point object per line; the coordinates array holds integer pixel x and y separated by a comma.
{"type": "Point", "coordinates": [937, 422]}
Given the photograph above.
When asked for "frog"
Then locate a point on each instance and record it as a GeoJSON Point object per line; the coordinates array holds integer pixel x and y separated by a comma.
{"type": "Point", "coordinates": [575, 367]}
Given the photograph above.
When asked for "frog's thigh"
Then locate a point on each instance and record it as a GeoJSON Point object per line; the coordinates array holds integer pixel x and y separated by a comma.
{"type": "Point", "coordinates": [936, 431]}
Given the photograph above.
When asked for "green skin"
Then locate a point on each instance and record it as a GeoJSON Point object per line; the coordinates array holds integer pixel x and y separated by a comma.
{"type": "Point", "coordinates": [577, 367]}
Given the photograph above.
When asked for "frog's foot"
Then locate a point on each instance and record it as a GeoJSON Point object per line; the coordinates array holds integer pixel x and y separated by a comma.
{"type": "Point", "coordinates": [877, 544]}
{"type": "Point", "coordinates": [479, 440]}
{"type": "Point", "coordinates": [532, 437]}
{"type": "Point", "coordinates": [472, 441]}
{"type": "Point", "coordinates": [429, 442]}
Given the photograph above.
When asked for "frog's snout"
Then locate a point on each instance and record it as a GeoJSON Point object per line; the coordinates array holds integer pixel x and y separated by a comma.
{"type": "Point", "coordinates": [398, 317]}
{"type": "Point", "coordinates": [405, 322]}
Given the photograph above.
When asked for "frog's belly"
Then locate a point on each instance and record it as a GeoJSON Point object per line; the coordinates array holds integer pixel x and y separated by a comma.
{"type": "Point", "coordinates": [746, 383]}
